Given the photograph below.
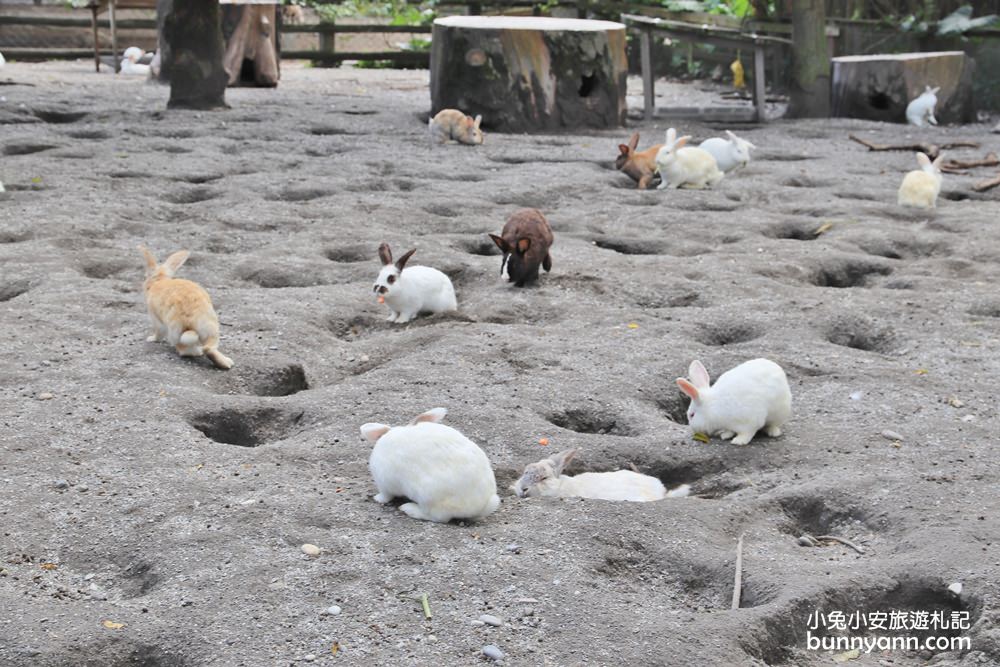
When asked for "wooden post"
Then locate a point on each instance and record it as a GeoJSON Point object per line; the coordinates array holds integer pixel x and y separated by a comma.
{"type": "Point", "coordinates": [810, 90]}
{"type": "Point", "coordinates": [759, 84]}
{"type": "Point", "coordinates": [648, 76]}
{"type": "Point", "coordinates": [97, 47]}
{"type": "Point", "coordinates": [114, 37]}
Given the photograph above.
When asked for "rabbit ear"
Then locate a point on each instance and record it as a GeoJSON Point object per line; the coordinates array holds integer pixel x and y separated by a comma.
{"type": "Point", "coordinates": [732, 136]}
{"type": "Point", "coordinates": [937, 161]}
{"type": "Point", "coordinates": [623, 149]}
{"type": "Point", "coordinates": [699, 375]}
{"type": "Point", "coordinates": [175, 261]}
{"type": "Point", "coordinates": [372, 432]}
{"type": "Point", "coordinates": [633, 141]}
{"type": "Point", "coordinates": [504, 248]}
{"type": "Point", "coordinates": [150, 259]}
{"type": "Point", "coordinates": [923, 160]}
{"type": "Point", "coordinates": [671, 135]}
{"type": "Point", "coordinates": [560, 460]}
{"type": "Point", "coordinates": [683, 140]}
{"type": "Point", "coordinates": [385, 254]}
{"type": "Point", "coordinates": [401, 262]}
{"type": "Point", "coordinates": [477, 121]}
{"type": "Point", "coordinates": [523, 245]}
{"type": "Point", "coordinates": [688, 388]}
{"type": "Point", "coordinates": [934, 91]}
{"type": "Point", "coordinates": [435, 415]}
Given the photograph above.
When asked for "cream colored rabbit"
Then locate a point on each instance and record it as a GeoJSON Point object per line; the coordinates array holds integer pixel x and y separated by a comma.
{"type": "Point", "coordinates": [920, 187]}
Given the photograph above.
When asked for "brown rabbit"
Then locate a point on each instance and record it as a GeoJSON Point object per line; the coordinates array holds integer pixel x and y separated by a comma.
{"type": "Point", "coordinates": [525, 242]}
{"type": "Point", "coordinates": [639, 166]}
{"type": "Point", "coordinates": [181, 311]}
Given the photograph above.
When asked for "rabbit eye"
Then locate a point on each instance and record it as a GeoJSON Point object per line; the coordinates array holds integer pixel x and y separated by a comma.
{"type": "Point", "coordinates": [391, 279]}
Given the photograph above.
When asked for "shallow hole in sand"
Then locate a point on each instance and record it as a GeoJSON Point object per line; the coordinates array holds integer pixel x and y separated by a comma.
{"type": "Point", "coordinates": [847, 273]}
{"type": "Point", "coordinates": [122, 652]}
{"type": "Point", "coordinates": [328, 130]}
{"type": "Point", "coordinates": [59, 116]}
{"type": "Point", "coordinates": [860, 333]}
{"type": "Point", "coordinates": [15, 235]}
{"type": "Point", "coordinates": [190, 196]}
{"type": "Point", "coordinates": [729, 333]}
{"type": "Point", "coordinates": [89, 134]}
{"type": "Point", "coordinates": [986, 309]}
{"type": "Point", "coordinates": [955, 195]}
{"type": "Point", "coordinates": [903, 248]}
{"type": "Point", "coordinates": [301, 194]}
{"type": "Point", "coordinates": [26, 148]}
{"type": "Point", "coordinates": [350, 254]}
{"type": "Point", "coordinates": [198, 179]}
{"type": "Point", "coordinates": [674, 406]}
{"type": "Point", "coordinates": [670, 299]}
{"type": "Point", "coordinates": [804, 182]}
{"type": "Point", "coordinates": [13, 289]}
{"type": "Point", "coordinates": [274, 381]}
{"type": "Point", "coordinates": [587, 420]}
{"type": "Point", "coordinates": [277, 277]}
{"type": "Point", "coordinates": [857, 196]}
{"type": "Point", "coordinates": [107, 268]}
{"type": "Point", "coordinates": [630, 246]}
{"type": "Point", "coordinates": [483, 246]}
{"type": "Point", "coordinates": [441, 210]}
{"type": "Point", "coordinates": [247, 428]}
{"type": "Point", "coordinates": [138, 578]}
{"type": "Point", "coordinates": [818, 515]}
{"type": "Point", "coordinates": [356, 327]}
{"type": "Point", "coordinates": [799, 231]}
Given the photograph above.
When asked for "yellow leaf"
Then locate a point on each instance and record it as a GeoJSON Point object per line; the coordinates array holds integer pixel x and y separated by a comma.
{"type": "Point", "coordinates": [49, 566]}
{"type": "Point", "coordinates": [853, 654]}
{"type": "Point", "coordinates": [825, 227]}
{"type": "Point", "coordinates": [335, 648]}
{"type": "Point", "coordinates": [701, 437]}
{"type": "Point", "coordinates": [633, 325]}
{"type": "Point", "coordinates": [738, 74]}
{"type": "Point", "coordinates": [921, 371]}
{"type": "Point", "coordinates": [36, 179]}
{"type": "Point", "coordinates": [111, 625]}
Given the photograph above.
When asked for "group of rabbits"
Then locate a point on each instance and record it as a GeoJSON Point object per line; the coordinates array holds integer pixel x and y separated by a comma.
{"type": "Point", "coordinates": [443, 474]}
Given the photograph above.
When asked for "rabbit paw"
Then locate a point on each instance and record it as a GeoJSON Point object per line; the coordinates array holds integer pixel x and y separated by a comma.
{"type": "Point", "coordinates": [153, 338]}
{"type": "Point", "coordinates": [405, 317]}
{"type": "Point", "coordinates": [726, 435]}
{"type": "Point", "coordinates": [413, 510]}
{"type": "Point", "coordinates": [381, 498]}
{"type": "Point", "coordinates": [742, 438]}
{"type": "Point", "coordinates": [773, 431]}
{"type": "Point", "coordinates": [392, 316]}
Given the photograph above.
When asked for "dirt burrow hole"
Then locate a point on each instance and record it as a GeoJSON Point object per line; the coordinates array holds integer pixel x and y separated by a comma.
{"type": "Point", "coordinates": [248, 427]}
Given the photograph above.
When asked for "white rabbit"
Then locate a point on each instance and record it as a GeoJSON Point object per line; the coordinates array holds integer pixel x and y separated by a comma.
{"type": "Point", "coordinates": [729, 154]}
{"type": "Point", "coordinates": [545, 478]}
{"type": "Point", "coordinates": [444, 474]}
{"type": "Point", "coordinates": [920, 187]}
{"type": "Point", "coordinates": [745, 399]}
{"type": "Point", "coordinates": [2, 61]}
{"type": "Point", "coordinates": [685, 166]}
{"type": "Point", "coordinates": [920, 110]}
{"type": "Point", "coordinates": [420, 289]}
{"type": "Point", "coordinates": [130, 61]}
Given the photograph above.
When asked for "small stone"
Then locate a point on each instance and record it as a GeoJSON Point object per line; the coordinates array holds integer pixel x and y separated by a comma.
{"type": "Point", "coordinates": [60, 484]}
{"type": "Point", "coordinates": [83, 488]}
{"type": "Point", "coordinates": [969, 418]}
{"type": "Point", "coordinates": [892, 435]}
{"type": "Point", "coordinates": [956, 588]}
{"type": "Point", "coordinates": [365, 358]}
{"type": "Point", "coordinates": [45, 396]}
{"type": "Point", "coordinates": [309, 658]}
{"type": "Point", "coordinates": [489, 619]}
{"type": "Point", "coordinates": [805, 541]}
{"type": "Point", "coordinates": [477, 623]}
{"type": "Point", "coordinates": [492, 652]}
{"type": "Point", "coordinates": [332, 610]}
{"type": "Point", "coordinates": [310, 549]}
{"type": "Point", "coordinates": [857, 395]}
{"type": "Point", "coordinates": [514, 548]}
{"type": "Point", "coordinates": [955, 402]}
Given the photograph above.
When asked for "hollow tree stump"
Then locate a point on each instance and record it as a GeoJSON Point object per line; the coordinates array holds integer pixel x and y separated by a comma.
{"type": "Point", "coordinates": [192, 54]}
{"type": "Point", "coordinates": [878, 87]}
{"type": "Point", "coordinates": [527, 73]}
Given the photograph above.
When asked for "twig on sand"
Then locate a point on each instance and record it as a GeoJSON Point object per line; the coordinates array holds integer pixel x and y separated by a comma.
{"type": "Point", "coordinates": [988, 184]}
{"type": "Point", "coordinates": [426, 605]}
{"type": "Point", "coordinates": [738, 583]}
{"type": "Point", "coordinates": [991, 160]}
{"type": "Point", "coordinates": [843, 541]}
{"type": "Point", "coordinates": [932, 150]}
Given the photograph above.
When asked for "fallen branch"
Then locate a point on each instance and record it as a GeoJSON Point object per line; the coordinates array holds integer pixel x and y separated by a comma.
{"type": "Point", "coordinates": [989, 184]}
{"type": "Point", "coordinates": [738, 584]}
{"type": "Point", "coordinates": [845, 542]}
{"type": "Point", "coordinates": [931, 150]}
{"type": "Point", "coordinates": [427, 606]}
{"type": "Point", "coordinates": [990, 160]}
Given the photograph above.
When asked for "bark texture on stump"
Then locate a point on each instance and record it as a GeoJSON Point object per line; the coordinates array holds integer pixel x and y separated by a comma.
{"type": "Point", "coordinates": [192, 57]}
{"type": "Point", "coordinates": [810, 90]}
{"type": "Point", "coordinates": [251, 38]}
{"type": "Point", "coordinates": [525, 73]}
{"type": "Point", "coordinates": [879, 87]}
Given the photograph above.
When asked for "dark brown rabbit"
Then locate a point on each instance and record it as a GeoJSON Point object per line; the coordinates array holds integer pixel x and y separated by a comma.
{"type": "Point", "coordinates": [525, 243]}
{"type": "Point", "coordinates": [639, 166]}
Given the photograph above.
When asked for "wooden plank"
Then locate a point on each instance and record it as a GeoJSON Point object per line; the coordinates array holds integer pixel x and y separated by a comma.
{"type": "Point", "coordinates": [648, 76]}
{"type": "Point", "coordinates": [759, 84]}
{"type": "Point", "coordinates": [332, 28]}
{"type": "Point", "coordinates": [417, 58]}
{"type": "Point", "coordinates": [708, 114]}
{"type": "Point", "coordinates": [77, 22]}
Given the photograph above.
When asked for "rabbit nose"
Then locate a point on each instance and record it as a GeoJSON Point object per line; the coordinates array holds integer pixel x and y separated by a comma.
{"type": "Point", "coordinates": [381, 289]}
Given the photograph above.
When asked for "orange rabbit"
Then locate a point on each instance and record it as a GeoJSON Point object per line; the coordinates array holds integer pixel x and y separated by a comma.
{"type": "Point", "coordinates": [181, 311]}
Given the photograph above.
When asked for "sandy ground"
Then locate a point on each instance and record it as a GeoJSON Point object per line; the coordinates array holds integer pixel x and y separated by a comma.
{"type": "Point", "coordinates": [123, 499]}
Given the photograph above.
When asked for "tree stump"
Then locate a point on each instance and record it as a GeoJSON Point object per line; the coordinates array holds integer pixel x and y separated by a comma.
{"type": "Point", "coordinates": [192, 54]}
{"type": "Point", "coordinates": [526, 73]}
{"type": "Point", "coordinates": [251, 38]}
{"type": "Point", "coordinates": [878, 87]}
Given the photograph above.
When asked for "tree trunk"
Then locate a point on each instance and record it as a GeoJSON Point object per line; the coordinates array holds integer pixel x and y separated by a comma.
{"type": "Point", "coordinates": [251, 44]}
{"type": "Point", "coordinates": [810, 93]}
{"type": "Point", "coordinates": [192, 59]}
{"type": "Point", "coordinates": [525, 73]}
